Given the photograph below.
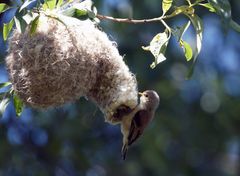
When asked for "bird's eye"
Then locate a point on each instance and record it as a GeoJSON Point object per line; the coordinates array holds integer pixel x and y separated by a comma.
{"type": "Point", "coordinates": [146, 95]}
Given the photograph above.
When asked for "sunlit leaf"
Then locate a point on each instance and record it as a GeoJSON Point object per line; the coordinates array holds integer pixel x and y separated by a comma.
{"type": "Point", "coordinates": [20, 24]}
{"type": "Point", "coordinates": [29, 17]}
{"type": "Point", "coordinates": [146, 48]}
{"type": "Point", "coordinates": [26, 4]}
{"type": "Point", "coordinates": [166, 5]}
{"type": "Point", "coordinates": [223, 8]}
{"type": "Point", "coordinates": [81, 10]}
{"type": "Point", "coordinates": [235, 26]}
{"type": "Point", "coordinates": [198, 26]}
{"type": "Point", "coordinates": [18, 105]}
{"type": "Point", "coordinates": [59, 3]}
{"type": "Point", "coordinates": [94, 10]}
{"type": "Point", "coordinates": [208, 6]}
{"type": "Point", "coordinates": [179, 10]}
{"type": "Point", "coordinates": [34, 25]}
{"type": "Point", "coordinates": [7, 27]}
{"type": "Point", "coordinates": [91, 14]}
{"type": "Point", "coordinates": [187, 50]}
{"type": "Point", "coordinates": [3, 7]}
{"type": "Point", "coordinates": [69, 11]}
{"type": "Point", "coordinates": [158, 47]}
{"type": "Point", "coordinates": [160, 58]}
{"type": "Point", "coordinates": [5, 84]}
{"type": "Point", "coordinates": [4, 103]}
{"type": "Point", "coordinates": [87, 4]}
{"type": "Point", "coordinates": [179, 31]}
{"type": "Point", "coordinates": [190, 10]}
{"type": "Point", "coordinates": [50, 4]}
{"type": "Point", "coordinates": [95, 15]}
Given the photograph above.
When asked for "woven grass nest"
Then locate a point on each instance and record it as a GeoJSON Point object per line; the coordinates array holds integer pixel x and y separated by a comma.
{"type": "Point", "coordinates": [62, 62]}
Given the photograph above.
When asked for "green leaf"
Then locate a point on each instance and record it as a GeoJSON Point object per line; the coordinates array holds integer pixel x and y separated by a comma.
{"type": "Point", "coordinates": [187, 50]}
{"type": "Point", "coordinates": [208, 6]}
{"type": "Point", "coordinates": [198, 26]}
{"type": "Point", "coordinates": [87, 4]}
{"type": "Point", "coordinates": [7, 27]}
{"type": "Point", "coordinates": [84, 9]}
{"type": "Point", "coordinates": [91, 14]}
{"type": "Point", "coordinates": [3, 7]}
{"type": "Point", "coordinates": [94, 9]}
{"type": "Point", "coordinates": [179, 10]}
{"type": "Point", "coordinates": [80, 12]}
{"type": "Point", "coordinates": [235, 26]}
{"type": "Point", "coordinates": [28, 18]}
{"type": "Point", "coordinates": [5, 100]}
{"type": "Point", "coordinates": [179, 31]}
{"type": "Point", "coordinates": [25, 4]}
{"type": "Point", "coordinates": [191, 70]}
{"type": "Point", "coordinates": [18, 105]}
{"type": "Point", "coordinates": [166, 5]}
{"type": "Point", "coordinates": [69, 11]}
{"type": "Point", "coordinates": [20, 24]}
{"type": "Point", "coordinates": [34, 25]}
{"type": "Point", "coordinates": [50, 4]}
{"type": "Point", "coordinates": [5, 84]}
{"type": "Point", "coordinates": [3, 105]}
{"type": "Point", "coordinates": [160, 58]}
{"type": "Point", "coordinates": [223, 8]}
{"type": "Point", "coordinates": [59, 3]}
{"type": "Point", "coordinates": [158, 47]}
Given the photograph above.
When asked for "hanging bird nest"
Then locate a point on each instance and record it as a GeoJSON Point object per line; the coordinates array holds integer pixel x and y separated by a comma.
{"type": "Point", "coordinates": [64, 60]}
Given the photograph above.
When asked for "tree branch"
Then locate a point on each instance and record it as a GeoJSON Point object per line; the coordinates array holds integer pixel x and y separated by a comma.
{"type": "Point", "coordinates": [150, 20]}
{"type": "Point", "coordinates": [129, 20]}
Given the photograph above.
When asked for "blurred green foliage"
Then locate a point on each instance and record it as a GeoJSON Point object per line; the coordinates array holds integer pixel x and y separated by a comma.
{"type": "Point", "coordinates": [196, 129]}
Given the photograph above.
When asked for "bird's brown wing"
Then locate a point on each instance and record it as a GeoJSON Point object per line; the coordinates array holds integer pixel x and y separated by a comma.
{"type": "Point", "coordinates": [137, 126]}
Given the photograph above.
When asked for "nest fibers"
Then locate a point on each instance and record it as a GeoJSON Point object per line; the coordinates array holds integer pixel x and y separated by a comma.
{"type": "Point", "coordinates": [64, 61]}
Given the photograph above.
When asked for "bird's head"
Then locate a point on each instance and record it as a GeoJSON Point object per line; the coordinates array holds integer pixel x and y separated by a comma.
{"type": "Point", "coordinates": [149, 99]}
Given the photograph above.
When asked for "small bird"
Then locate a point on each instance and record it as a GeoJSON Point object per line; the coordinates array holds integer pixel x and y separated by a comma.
{"type": "Point", "coordinates": [134, 123]}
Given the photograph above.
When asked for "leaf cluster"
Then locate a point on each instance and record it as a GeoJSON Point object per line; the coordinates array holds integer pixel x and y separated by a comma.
{"type": "Point", "coordinates": [159, 42]}
{"type": "Point", "coordinates": [28, 12]}
{"type": "Point", "coordinates": [5, 98]}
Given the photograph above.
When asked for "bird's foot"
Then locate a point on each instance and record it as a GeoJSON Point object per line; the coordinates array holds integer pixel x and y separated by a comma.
{"type": "Point", "coordinates": [120, 112]}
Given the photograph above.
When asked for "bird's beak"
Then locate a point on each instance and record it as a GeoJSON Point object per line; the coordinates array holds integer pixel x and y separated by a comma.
{"type": "Point", "coordinates": [140, 93]}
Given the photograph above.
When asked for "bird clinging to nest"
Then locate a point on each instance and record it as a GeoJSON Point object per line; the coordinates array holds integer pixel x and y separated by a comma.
{"type": "Point", "coordinates": [134, 123]}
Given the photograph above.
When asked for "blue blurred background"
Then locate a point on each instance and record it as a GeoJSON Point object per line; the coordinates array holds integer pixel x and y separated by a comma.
{"type": "Point", "coordinates": [196, 130]}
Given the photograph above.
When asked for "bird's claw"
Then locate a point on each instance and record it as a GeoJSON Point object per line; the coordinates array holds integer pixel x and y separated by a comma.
{"type": "Point", "coordinates": [121, 111]}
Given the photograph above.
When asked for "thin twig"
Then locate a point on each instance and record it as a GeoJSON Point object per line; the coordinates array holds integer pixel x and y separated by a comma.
{"type": "Point", "coordinates": [150, 20]}
{"type": "Point", "coordinates": [129, 20]}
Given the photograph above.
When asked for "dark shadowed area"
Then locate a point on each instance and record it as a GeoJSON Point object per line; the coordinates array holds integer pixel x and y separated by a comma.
{"type": "Point", "coordinates": [196, 130]}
